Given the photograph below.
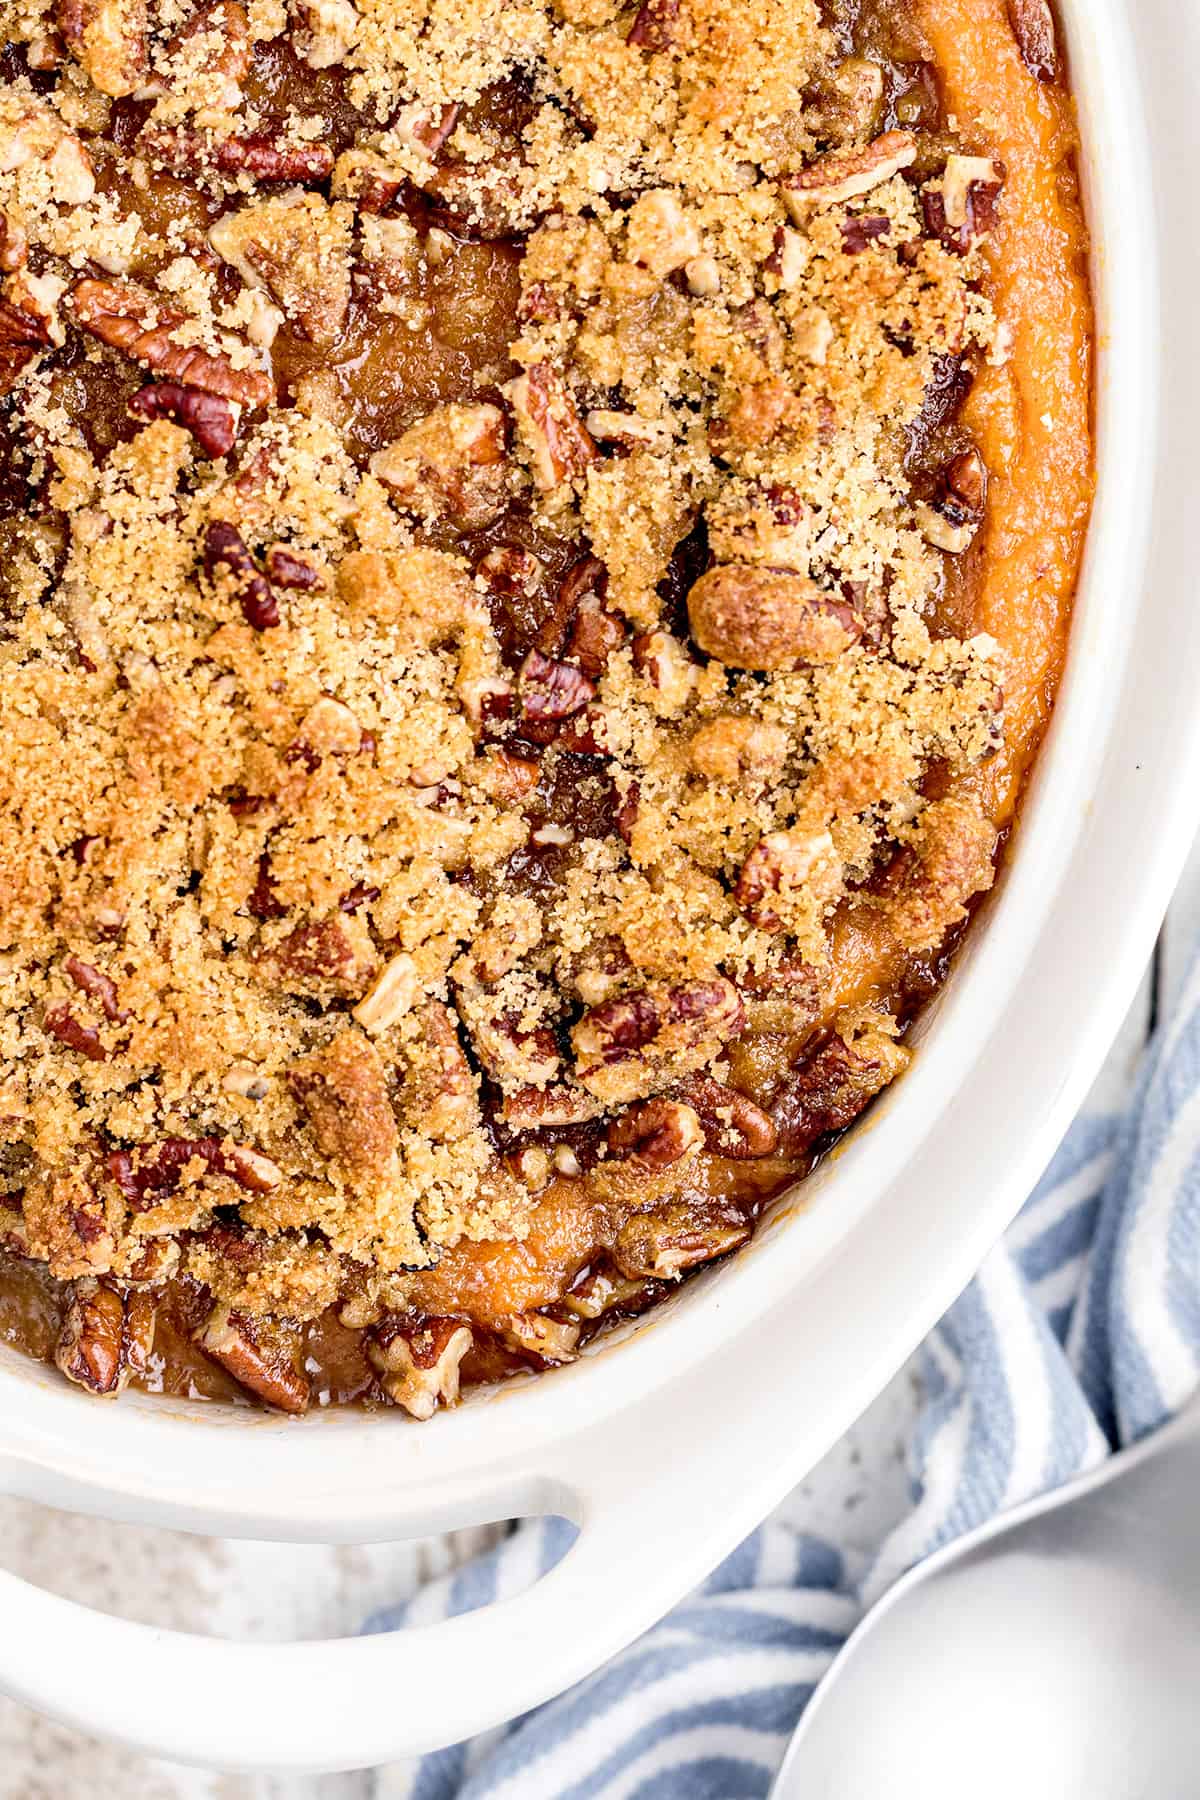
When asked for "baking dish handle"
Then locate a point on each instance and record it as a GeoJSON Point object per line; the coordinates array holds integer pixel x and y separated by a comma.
{"type": "Point", "coordinates": [345, 1703]}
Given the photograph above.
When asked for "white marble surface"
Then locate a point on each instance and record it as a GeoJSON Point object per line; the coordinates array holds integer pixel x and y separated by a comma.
{"type": "Point", "coordinates": [278, 1592]}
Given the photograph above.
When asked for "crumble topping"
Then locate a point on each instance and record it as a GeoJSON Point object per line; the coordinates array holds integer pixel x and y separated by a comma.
{"type": "Point", "coordinates": [470, 627]}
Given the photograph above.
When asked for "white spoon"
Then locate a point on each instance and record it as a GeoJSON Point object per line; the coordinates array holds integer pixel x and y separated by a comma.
{"type": "Point", "coordinates": [1054, 1654]}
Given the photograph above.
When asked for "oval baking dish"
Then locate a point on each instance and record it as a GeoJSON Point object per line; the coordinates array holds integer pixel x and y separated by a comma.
{"type": "Point", "coordinates": [668, 1441]}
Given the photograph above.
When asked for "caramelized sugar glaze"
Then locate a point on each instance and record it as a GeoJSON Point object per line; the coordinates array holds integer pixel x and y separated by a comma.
{"type": "Point", "coordinates": [537, 551]}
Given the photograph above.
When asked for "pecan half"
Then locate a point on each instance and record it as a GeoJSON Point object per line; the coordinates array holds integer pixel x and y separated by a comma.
{"type": "Point", "coordinates": [779, 866]}
{"type": "Point", "coordinates": [108, 39]}
{"type": "Point", "coordinates": [323, 956]}
{"type": "Point", "coordinates": [418, 1361]}
{"type": "Point", "coordinates": [549, 427]}
{"type": "Point", "coordinates": [656, 1132]}
{"type": "Point", "coordinates": [225, 548]}
{"type": "Point", "coordinates": [832, 1084]}
{"type": "Point", "coordinates": [665, 1243]}
{"type": "Point", "coordinates": [1032, 24]}
{"type": "Point", "coordinates": [209, 418]}
{"type": "Point", "coordinates": [106, 1336]}
{"type": "Point", "coordinates": [449, 465]}
{"type": "Point", "coordinates": [845, 174]}
{"type": "Point", "coordinates": [950, 858]}
{"type": "Point", "coordinates": [154, 1170]}
{"type": "Point", "coordinates": [131, 319]}
{"type": "Point", "coordinates": [733, 1125]}
{"type": "Point", "coordinates": [261, 1355]}
{"type": "Point", "coordinates": [755, 618]}
{"type": "Point", "coordinates": [183, 151]}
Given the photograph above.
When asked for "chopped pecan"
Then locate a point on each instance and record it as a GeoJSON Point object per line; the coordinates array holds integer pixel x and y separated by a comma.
{"type": "Point", "coordinates": [62, 1024]}
{"type": "Point", "coordinates": [131, 319]}
{"type": "Point", "coordinates": [552, 691]}
{"type": "Point", "coordinates": [144, 1175]}
{"type": "Point", "coordinates": [951, 517]}
{"type": "Point", "coordinates": [664, 662]}
{"type": "Point", "coordinates": [261, 1355]}
{"type": "Point", "coordinates": [225, 548]}
{"type": "Point", "coordinates": [548, 1108]}
{"type": "Point", "coordinates": [425, 128]}
{"type": "Point", "coordinates": [661, 236]}
{"type": "Point", "coordinates": [768, 523]}
{"type": "Point", "coordinates": [450, 465]}
{"type": "Point", "coordinates": [665, 1243]}
{"type": "Point", "coordinates": [846, 105]}
{"type": "Point", "coordinates": [97, 986]}
{"type": "Point", "coordinates": [297, 247]}
{"type": "Point", "coordinates": [287, 570]}
{"type": "Point", "coordinates": [628, 1046]}
{"type": "Point", "coordinates": [325, 31]}
{"type": "Point", "coordinates": [549, 427]}
{"type": "Point", "coordinates": [364, 177]}
{"type": "Point", "coordinates": [108, 39]}
{"type": "Point", "coordinates": [184, 151]}
{"type": "Point", "coordinates": [741, 752]}
{"type": "Point", "coordinates": [781, 865]}
{"type": "Point", "coordinates": [508, 779]}
{"type": "Point", "coordinates": [960, 208]}
{"type": "Point", "coordinates": [845, 174]}
{"type": "Point", "coordinates": [656, 1132]}
{"type": "Point", "coordinates": [209, 418]}
{"type": "Point", "coordinates": [23, 337]}
{"type": "Point", "coordinates": [833, 1083]}
{"type": "Point", "coordinates": [630, 430]}
{"type": "Point", "coordinates": [600, 1292]}
{"type": "Point", "coordinates": [333, 955]}
{"type": "Point", "coordinates": [510, 571]}
{"type": "Point", "coordinates": [418, 1361]}
{"type": "Point", "coordinates": [1032, 24]}
{"type": "Point", "coordinates": [106, 1337]}
{"type": "Point", "coordinates": [441, 1092]}
{"type": "Point", "coordinates": [14, 245]}
{"type": "Point", "coordinates": [225, 26]}
{"type": "Point", "coordinates": [511, 1054]}
{"type": "Point", "coordinates": [343, 1089]}
{"type": "Point", "coordinates": [655, 25]}
{"type": "Point", "coordinates": [595, 634]}
{"type": "Point", "coordinates": [391, 997]}
{"type": "Point", "coordinates": [861, 229]}
{"type": "Point", "coordinates": [480, 201]}
{"type": "Point", "coordinates": [733, 1124]}
{"type": "Point", "coordinates": [70, 1225]}
{"type": "Point", "coordinates": [949, 859]}
{"type": "Point", "coordinates": [756, 618]}
{"type": "Point", "coordinates": [551, 1341]}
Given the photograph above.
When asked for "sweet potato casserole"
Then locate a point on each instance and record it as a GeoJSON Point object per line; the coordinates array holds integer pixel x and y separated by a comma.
{"type": "Point", "coordinates": [536, 540]}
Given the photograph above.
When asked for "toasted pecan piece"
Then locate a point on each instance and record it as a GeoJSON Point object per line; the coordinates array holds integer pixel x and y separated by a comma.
{"type": "Point", "coordinates": [845, 174]}
{"type": "Point", "coordinates": [636, 1043]}
{"type": "Point", "coordinates": [297, 247]}
{"type": "Point", "coordinates": [950, 858]}
{"type": "Point", "coordinates": [184, 151]}
{"type": "Point", "coordinates": [130, 318]}
{"type": "Point", "coordinates": [833, 1082]}
{"type": "Point", "coordinates": [549, 426]}
{"type": "Point", "coordinates": [108, 39]}
{"type": "Point", "coordinates": [667, 1241]}
{"type": "Point", "coordinates": [418, 1360]}
{"type": "Point", "coordinates": [260, 1353]}
{"type": "Point", "coordinates": [1032, 24]}
{"type": "Point", "coordinates": [343, 1090]}
{"type": "Point", "coordinates": [755, 618]}
{"type": "Point", "coordinates": [106, 1336]}
{"type": "Point", "coordinates": [208, 417]}
{"type": "Point", "coordinates": [450, 465]}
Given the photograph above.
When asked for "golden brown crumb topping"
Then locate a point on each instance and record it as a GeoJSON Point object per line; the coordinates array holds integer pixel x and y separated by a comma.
{"type": "Point", "coordinates": [471, 552]}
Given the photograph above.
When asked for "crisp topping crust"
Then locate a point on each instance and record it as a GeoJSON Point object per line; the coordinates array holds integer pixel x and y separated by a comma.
{"type": "Point", "coordinates": [480, 480]}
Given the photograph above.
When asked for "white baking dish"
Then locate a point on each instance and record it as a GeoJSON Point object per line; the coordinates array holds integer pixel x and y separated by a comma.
{"type": "Point", "coordinates": [667, 1448]}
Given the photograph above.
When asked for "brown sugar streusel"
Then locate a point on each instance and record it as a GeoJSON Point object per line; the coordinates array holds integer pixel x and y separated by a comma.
{"type": "Point", "coordinates": [510, 693]}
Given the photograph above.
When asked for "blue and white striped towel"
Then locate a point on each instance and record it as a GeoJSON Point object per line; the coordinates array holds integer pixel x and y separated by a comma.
{"type": "Point", "coordinates": [1080, 1333]}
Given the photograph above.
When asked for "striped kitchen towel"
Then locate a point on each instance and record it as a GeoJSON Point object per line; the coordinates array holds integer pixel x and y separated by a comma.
{"type": "Point", "coordinates": [1080, 1333]}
